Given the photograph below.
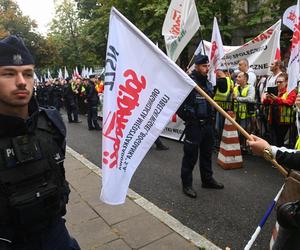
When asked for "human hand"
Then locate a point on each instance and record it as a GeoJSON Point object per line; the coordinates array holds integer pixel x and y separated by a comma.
{"type": "Point", "coordinates": [257, 145]}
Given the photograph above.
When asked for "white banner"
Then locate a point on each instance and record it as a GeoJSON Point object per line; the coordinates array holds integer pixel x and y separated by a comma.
{"type": "Point", "coordinates": [180, 25]}
{"type": "Point", "coordinates": [174, 128]}
{"type": "Point", "coordinates": [143, 89]}
{"type": "Point", "coordinates": [294, 62]}
{"type": "Point", "coordinates": [216, 52]}
{"type": "Point", "coordinates": [289, 17]}
{"type": "Point", "coordinates": [260, 51]}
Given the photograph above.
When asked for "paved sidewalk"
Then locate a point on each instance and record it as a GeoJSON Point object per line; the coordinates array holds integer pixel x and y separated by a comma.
{"type": "Point", "coordinates": [137, 224]}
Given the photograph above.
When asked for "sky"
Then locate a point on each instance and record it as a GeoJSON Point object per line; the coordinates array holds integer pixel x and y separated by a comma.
{"type": "Point", "coordinates": [41, 11]}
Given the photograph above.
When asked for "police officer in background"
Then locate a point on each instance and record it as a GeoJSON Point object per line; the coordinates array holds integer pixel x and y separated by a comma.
{"type": "Point", "coordinates": [199, 136]}
{"type": "Point", "coordinates": [33, 189]}
{"type": "Point", "coordinates": [92, 101]}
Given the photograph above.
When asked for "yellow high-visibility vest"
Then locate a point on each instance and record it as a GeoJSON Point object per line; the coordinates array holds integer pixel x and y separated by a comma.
{"type": "Point", "coordinates": [221, 98]}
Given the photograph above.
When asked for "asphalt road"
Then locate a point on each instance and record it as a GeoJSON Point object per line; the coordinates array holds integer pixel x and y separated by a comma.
{"type": "Point", "coordinates": [226, 217]}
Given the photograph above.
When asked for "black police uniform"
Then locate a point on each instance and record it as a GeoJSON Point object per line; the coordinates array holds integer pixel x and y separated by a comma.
{"type": "Point", "coordinates": [92, 106]}
{"type": "Point", "coordinates": [33, 189]}
{"type": "Point", "coordinates": [71, 102]}
{"type": "Point", "coordinates": [197, 114]}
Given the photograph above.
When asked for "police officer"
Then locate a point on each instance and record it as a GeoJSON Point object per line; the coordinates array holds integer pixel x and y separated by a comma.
{"type": "Point", "coordinates": [92, 100]}
{"type": "Point", "coordinates": [33, 189]}
{"type": "Point", "coordinates": [198, 116]}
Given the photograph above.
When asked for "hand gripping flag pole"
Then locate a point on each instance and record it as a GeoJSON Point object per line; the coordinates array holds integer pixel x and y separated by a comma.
{"type": "Point", "coordinates": [263, 220]}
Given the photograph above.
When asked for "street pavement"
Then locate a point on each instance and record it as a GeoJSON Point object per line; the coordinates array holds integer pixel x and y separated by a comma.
{"type": "Point", "coordinates": [138, 224]}
{"type": "Point", "coordinates": [225, 217]}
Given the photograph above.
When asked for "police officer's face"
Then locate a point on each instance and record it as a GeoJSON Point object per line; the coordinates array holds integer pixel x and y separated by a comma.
{"type": "Point", "coordinates": [16, 86]}
{"type": "Point", "coordinates": [202, 69]}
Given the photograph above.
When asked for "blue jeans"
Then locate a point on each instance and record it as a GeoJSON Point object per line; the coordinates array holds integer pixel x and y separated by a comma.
{"type": "Point", "coordinates": [56, 237]}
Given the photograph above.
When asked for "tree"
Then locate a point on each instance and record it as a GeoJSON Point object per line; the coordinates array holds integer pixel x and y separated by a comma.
{"type": "Point", "coordinates": [12, 21]}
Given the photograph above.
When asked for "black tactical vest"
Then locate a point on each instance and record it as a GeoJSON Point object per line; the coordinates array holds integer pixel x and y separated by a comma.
{"type": "Point", "coordinates": [33, 190]}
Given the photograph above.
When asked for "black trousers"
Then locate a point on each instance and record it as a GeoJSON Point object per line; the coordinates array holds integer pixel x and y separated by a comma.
{"type": "Point", "coordinates": [55, 237]}
{"type": "Point", "coordinates": [92, 113]}
{"type": "Point", "coordinates": [198, 142]}
{"type": "Point", "coordinates": [72, 111]}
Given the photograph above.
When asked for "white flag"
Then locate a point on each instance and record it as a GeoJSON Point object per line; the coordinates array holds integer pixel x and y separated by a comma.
{"type": "Point", "coordinates": [294, 62]}
{"type": "Point", "coordinates": [49, 77]}
{"type": "Point", "coordinates": [66, 74]}
{"type": "Point", "coordinates": [60, 74]}
{"type": "Point", "coordinates": [289, 17]}
{"type": "Point", "coordinates": [216, 52]}
{"type": "Point", "coordinates": [138, 103]}
{"type": "Point", "coordinates": [180, 25]}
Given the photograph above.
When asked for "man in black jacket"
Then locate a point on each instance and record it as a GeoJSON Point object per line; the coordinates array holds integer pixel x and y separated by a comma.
{"type": "Point", "coordinates": [199, 136]}
{"type": "Point", "coordinates": [33, 188]}
{"type": "Point", "coordinates": [92, 101]}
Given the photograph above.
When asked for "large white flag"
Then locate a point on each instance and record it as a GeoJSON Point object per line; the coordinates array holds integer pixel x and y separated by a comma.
{"type": "Point", "coordinates": [216, 52]}
{"type": "Point", "coordinates": [294, 62]}
{"type": "Point", "coordinates": [143, 89]}
{"type": "Point", "coordinates": [180, 25]}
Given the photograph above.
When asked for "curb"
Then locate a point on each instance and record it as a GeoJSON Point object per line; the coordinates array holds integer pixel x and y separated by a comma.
{"type": "Point", "coordinates": [187, 233]}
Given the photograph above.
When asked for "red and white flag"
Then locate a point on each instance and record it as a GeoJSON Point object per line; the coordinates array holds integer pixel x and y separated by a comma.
{"type": "Point", "coordinates": [294, 62]}
{"type": "Point", "coordinates": [143, 89]}
{"type": "Point", "coordinates": [180, 25]}
{"type": "Point", "coordinates": [216, 52]}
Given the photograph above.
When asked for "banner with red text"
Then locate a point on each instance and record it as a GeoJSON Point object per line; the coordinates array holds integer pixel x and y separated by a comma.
{"type": "Point", "coordinates": [260, 51]}
{"type": "Point", "coordinates": [180, 25]}
{"type": "Point", "coordinates": [216, 52]}
{"type": "Point", "coordinates": [294, 62]}
{"type": "Point", "coordinates": [143, 89]}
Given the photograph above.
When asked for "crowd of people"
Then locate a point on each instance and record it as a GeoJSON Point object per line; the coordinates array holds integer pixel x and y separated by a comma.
{"type": "Point", "coordinates": [262, 104]}
{"type": "Point", "coordinates": [34, 191]}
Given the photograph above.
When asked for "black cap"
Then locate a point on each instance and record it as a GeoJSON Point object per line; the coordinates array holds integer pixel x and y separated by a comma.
{"type": "Point", "coordinates": [13, 52]}
{"type": "Point", "coordinates": [201, 59]}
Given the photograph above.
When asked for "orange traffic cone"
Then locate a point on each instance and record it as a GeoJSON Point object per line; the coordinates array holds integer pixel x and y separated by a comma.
{"type": "Point", "coordinates": [230, 156]}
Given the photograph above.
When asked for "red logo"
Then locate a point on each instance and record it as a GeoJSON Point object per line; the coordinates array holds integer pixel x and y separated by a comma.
{"type": "Point", "coordinates": [176, 17]}
{"type": "Point", "coordinates": [292, 16]}
{"type": "Point", "coordinates": [115, 123]}
{"type": "Point", "coordinates": [296, 35]}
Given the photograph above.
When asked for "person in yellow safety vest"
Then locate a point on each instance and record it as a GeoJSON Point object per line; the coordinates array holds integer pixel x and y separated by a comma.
{"type": "Point", "coordinates": [244, 98]}
{"type": "Point", "coordinates": [281, 113]}
{"type": "Point", "coordinates": [223, 89]}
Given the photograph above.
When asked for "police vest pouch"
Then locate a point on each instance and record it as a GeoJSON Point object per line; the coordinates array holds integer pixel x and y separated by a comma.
{"type": "Point", "coordinates": [26, 148]}
{"type": "Point", "coordinates": [291, 190]}
{"type": "Point", "coordinates": [33, 208]}
{"type": "Point", "coordinates": [201, 107]}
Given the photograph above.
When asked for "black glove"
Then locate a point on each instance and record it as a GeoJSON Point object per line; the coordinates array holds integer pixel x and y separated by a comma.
{"type": "Point", "coordinates": [288, 215]}
{"type": "Point", "coordinates": [5, 245]}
